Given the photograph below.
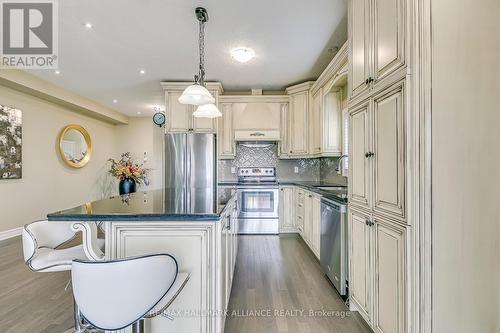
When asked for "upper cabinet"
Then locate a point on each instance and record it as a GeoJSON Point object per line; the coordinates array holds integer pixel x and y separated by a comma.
{"type": "Point", "coordinates": [298, 119]}
{"type": "Point", "coordinates": [225, 134]}
{"type": "Point", "coordinates": [359, 25]}
{"type": "Point", "coordinates": [180, 116]}
{"type": "Point", "coordinates": [377, 31]}
{"type": "Point", "coordinates": [315, 123]}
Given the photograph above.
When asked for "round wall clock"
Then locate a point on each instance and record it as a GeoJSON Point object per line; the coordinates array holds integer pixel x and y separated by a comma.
{"type": "Point", "coordinates": [159, 119]}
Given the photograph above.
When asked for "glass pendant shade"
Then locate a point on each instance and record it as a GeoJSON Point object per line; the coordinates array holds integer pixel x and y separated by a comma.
{"type": "Point", "coordinates": [207, 111]}
{"type": "Point", "coordinates": [196, 94]}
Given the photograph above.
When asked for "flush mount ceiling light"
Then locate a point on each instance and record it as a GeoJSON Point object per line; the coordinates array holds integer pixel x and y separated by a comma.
{"type": "Point", "coordinates": [88, 25]}
{"type": "Point", "coordinates": [207, 111]}
{"type": "Point", "coordinates": [242, 54]}
{"type": "Point", "coordinates": [197, 93]}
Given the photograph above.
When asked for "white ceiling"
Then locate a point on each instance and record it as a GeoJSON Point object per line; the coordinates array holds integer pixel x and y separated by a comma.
{"type": "Point", "coordinates": [291, 39]}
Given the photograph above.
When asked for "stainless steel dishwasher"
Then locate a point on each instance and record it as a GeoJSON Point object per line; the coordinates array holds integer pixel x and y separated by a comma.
{"type": "Point", "coordinates": [334, 243]}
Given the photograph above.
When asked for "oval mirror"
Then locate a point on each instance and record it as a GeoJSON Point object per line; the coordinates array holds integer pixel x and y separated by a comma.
{"type": "Point", "coordinates": [75, 146]}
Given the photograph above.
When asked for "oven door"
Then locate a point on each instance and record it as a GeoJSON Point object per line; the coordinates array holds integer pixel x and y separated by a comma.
{"type": "Point", "coordinates": [258, 202]}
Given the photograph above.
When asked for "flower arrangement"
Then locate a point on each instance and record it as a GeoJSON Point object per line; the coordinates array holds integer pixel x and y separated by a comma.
{"type": "Point", "coordinates": [126, 168]}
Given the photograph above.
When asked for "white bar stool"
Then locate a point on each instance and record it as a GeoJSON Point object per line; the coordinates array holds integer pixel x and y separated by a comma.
{"type": "Point", "coordinates": [116, 294]}
{"type": "Point", "coordinates": [42, 242]}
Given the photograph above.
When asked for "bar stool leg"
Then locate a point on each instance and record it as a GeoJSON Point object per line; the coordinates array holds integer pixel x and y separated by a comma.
{"type": "Point", "coordinates": [79, 327]}
{"type": "Point", "coordinates": [138, 326]}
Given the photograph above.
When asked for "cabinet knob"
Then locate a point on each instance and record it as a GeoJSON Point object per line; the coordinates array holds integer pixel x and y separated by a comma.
{"type": "Point", "coordinates": [369, 154]}
{"type": "Point", "coordinates": [367, 81]}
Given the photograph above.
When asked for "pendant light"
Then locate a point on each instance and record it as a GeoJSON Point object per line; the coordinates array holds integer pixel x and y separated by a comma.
{"type": "Point", "coordinates": [197, 94]}
{"type": "Point", "coordinates": [207, 111]}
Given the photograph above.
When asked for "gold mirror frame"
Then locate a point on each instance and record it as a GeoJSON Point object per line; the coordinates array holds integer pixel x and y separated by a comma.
{"type": "Point", "coordinates": [88, 141]}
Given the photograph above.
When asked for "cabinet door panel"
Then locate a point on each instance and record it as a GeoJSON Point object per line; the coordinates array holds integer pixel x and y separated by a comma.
{"type": "Point", "coordinates": [389, 148]}
{"type": "Point", "coordinates": [286, 208]}
{"type": "Point", "coordinates": [298, 124]}
{"type": "Point", "coordinates": [390, 263]}
{"type": "Point", "coordinates": [316, 225]}
{"type": "Point", "coordinates": [314, 124]}
{"type": "Point", "coordinates": [359, 47]}
{"type": "Point", "coordinates": [178, 115]}
{"type": "Point", "coordinates": [332, 137]}
{"type": "Point", "coordinates": [389, 44]}
{"type": "Point", "coordinates": [308, 211]}
{"type": "Point", "coordinates": [359, 263]}
{"type": "Point", "coordinates": [284, 144]}
{"type": "Point", "coordinates": [225, 133]}
{"type": "Point", "coordinates": [203, 125]}
{"type": "Point", "coordinates": [359, 168]}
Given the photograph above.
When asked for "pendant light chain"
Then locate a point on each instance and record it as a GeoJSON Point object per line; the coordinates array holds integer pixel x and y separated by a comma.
{"type": "Point", "coordinates": [201, 44]}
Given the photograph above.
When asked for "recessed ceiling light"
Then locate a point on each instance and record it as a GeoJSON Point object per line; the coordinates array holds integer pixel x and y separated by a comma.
{"type": "Point", "coordinates": [88, 25]}
{"type": "Point", "coordinates": [115, 101]}
{"type": "Point", "coordinates": [57, 72]}
{"type": "Point", "coordinates": [142, 72]}
{"type": "Point", "coordinates": [138, 112]}
{"type": "Point", "coordinates": [242, 54]}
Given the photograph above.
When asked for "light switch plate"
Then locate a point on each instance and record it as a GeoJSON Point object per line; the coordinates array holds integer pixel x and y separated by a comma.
{"type": "Point", "coordinates": [296, 169]}
{"type": "Point", "coordinates": [233, 170]}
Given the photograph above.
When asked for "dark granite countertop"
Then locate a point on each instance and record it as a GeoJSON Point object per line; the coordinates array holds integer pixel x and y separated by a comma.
{"type": "Point", "coordinates": [313, 186]}
{"type": "Point", "coordinates": [155, 205]}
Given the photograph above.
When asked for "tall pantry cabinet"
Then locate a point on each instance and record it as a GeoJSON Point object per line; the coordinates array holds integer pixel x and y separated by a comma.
{"type": "Point", "coordinates": [378, 222]}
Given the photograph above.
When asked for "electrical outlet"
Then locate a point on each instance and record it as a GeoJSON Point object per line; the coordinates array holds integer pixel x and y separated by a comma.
{"type": "Point", "coordinates": [296, 169]}
{"type": "Point", "coordinates": [233, 170]}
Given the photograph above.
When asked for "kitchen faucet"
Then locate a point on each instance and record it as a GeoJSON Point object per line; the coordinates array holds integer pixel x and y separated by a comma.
{"type": "Point", "coordinates": [339, 161]}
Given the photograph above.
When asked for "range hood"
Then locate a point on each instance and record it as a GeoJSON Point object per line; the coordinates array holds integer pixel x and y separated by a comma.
{"type": "Point", "coordinates": [258, 122]}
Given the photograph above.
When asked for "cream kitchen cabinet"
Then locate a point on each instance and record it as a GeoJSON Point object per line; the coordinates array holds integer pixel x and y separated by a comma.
{"type": "Point", "coordinates": [378, 271]}
{"type": "Point", "coordinates": [328, 95]}
{"type": "Point", "coordinates": [378, 154]}
{"type": "Point", "coordinates": [360, 264]}
{"type": "Point", "coordinates": [308, 222]}
{"type": "Point", "coordinates": [225, 133]}
{"type": "Point", "coordinates": [286, 210]}
{"type": "Point", "coordinates": [316, 225]}
{"type": "Point", "coordinates": [389, 152]}
{"type": "Point", "coordinates": [332, 121]}
{"type": "Point", "coordinates": [179, 117]}
{"type": "Point", "coordinates": [377, 31]}
{"type": "Point", "coordinates": [312, 221]}
{"type": "Point", "coordinates": [298, 120]}
{"type": "Point", "coordinates": [315, 130]}
{"type": "Point", "coordinates": [389, 276]}
{"type": "Point", "coordinates": [359, 168]}
{"type": "Point", "coordinates": [359, 52]}
{"type": "Point", "coordinates": [299, 199]}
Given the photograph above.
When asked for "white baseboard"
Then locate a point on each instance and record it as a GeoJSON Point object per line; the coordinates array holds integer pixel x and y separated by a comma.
{"type": "Point", "coordinates": [10, 233]}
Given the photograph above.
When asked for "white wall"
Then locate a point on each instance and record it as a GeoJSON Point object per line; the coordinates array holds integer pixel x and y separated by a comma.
{"type": "Point", "coordinates": [466, 165]}
{"type": "Point", "coordinates": [48, 184]}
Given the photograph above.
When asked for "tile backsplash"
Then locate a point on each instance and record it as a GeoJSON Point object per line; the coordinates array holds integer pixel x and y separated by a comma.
{"type": "Point", "coordinates": [309, 169]}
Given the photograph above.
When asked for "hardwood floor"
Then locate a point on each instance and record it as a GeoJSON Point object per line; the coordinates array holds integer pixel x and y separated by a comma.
{"type": "Point", "coordinates": [281, 274]}
{"type": "Point", "coordinates": [31, 302]}
{"type": "Point", "coordinates": [272, 273]}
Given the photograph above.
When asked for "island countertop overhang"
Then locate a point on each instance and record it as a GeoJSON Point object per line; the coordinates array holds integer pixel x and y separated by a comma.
{"type": "Point", "coordinates": [156, 205]}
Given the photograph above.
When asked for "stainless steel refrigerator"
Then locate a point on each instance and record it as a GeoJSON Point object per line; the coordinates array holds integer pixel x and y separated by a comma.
{"type": "Point", "coordinates": [190, 173]}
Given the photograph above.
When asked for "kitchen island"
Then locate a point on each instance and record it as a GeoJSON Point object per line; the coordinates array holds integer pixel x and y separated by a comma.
{"type": "Point", "coordinates": [203, 239]}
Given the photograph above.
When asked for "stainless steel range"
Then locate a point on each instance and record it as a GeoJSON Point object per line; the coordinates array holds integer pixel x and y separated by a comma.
{"type": "Point", "coordinates": [258, 201]}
